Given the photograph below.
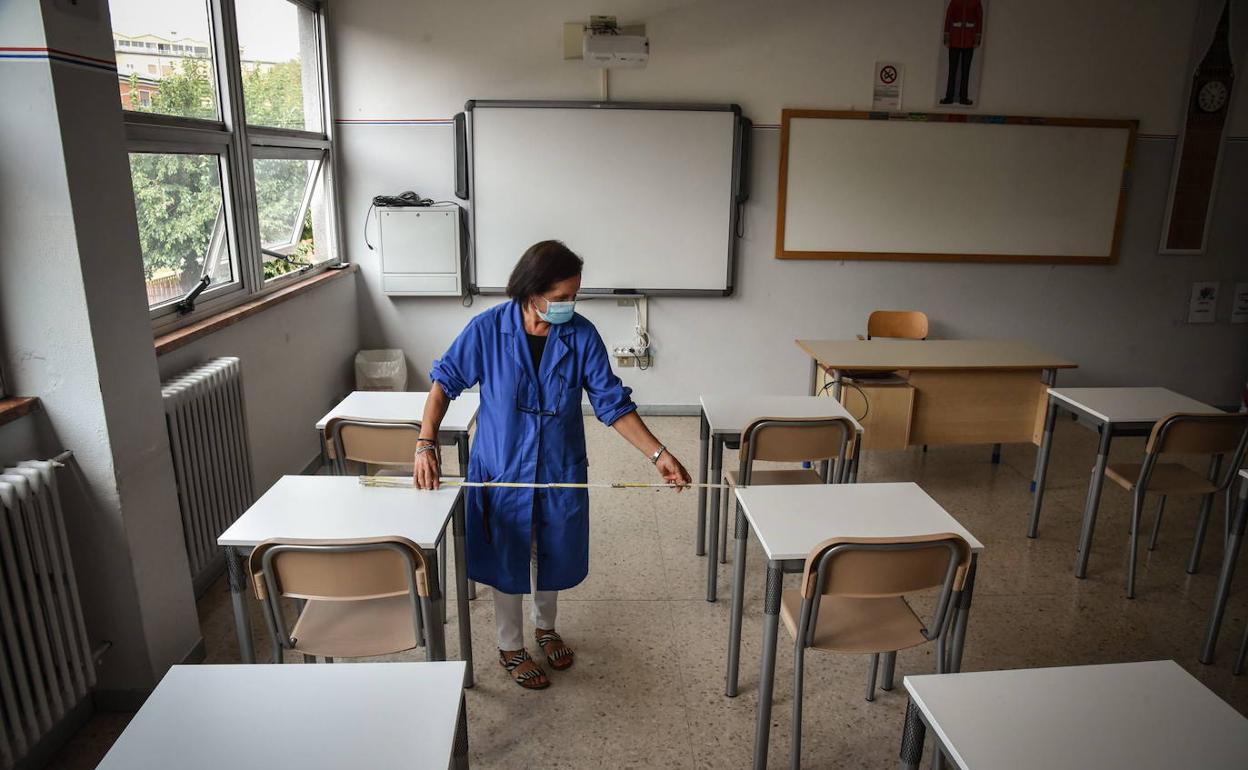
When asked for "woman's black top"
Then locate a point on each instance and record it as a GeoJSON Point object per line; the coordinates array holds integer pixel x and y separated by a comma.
{"type": "Point", "coordinates": [537, 345]}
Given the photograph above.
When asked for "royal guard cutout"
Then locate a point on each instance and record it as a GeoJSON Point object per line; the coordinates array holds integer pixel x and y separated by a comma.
{"type": "Point", "coordinates": [962, 35]}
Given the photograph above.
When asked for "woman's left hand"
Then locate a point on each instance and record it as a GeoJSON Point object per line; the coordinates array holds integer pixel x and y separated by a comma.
{"type": "Point", "coordinates": [672, 471]}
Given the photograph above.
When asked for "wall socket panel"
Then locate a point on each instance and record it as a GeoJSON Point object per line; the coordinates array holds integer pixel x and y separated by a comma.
{"type": "Point", "coordinates": [627, 355]}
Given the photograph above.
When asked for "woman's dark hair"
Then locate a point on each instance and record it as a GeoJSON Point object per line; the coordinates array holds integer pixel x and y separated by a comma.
{"type": "Point", "coordinates": [543, 265]}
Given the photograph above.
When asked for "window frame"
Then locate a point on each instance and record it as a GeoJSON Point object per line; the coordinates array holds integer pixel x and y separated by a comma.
{"type": "Point", "coordinates": [237, 145]}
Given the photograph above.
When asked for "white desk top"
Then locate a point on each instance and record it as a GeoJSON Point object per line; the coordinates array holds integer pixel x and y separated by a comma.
{"type": "Point", "coordinates": [791, 520]}
{"type": "Point", "coordinates": [731, 413]}
{"type": "Point", "coordinates": [337, 507]}
{"type": "Point", "coordinates": [1143, 716]}
{"type": "Point", "coordinates": [1130, 404]}
{"type": "Point", "coordinates": [889, 354]}
{"type": "Point", "coordinates": [311, 717]}
{"type": "Point", "coordinates": [407, 405]}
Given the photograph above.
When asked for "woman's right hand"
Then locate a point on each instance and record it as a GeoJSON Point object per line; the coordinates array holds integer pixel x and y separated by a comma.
{"type": "Point", "coordinates": [425, 471]}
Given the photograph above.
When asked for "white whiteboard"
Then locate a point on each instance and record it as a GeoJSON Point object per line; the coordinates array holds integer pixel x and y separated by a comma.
{"type": "Point", "coordinates": [645, 196]}
{"type": "Point", "coordinates": [928, 189]}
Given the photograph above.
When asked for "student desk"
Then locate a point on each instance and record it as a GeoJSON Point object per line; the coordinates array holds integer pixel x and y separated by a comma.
{"type": "Point", "coordinates": [1143, 716]}
{"type": "Point", "coordinates": [340, 507]}
{"type": "Point", "coordinates": [461, 415]}
{"type": "Point", "coordinates": [723, 418]}
{"type": "Point", "coordinates": [791, 520]}
{"type": "Point", "coordinates": [963, 391]}
{"type": "Point", "coordinates": [1112, 412]}
{"type": "Point", "coordinates": [1229, 556]}
{"type": "Point", "coordinates": [310, 717]}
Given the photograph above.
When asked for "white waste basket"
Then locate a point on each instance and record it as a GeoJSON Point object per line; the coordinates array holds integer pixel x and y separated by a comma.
{"type": "Point", "coordinates": [380, 370]}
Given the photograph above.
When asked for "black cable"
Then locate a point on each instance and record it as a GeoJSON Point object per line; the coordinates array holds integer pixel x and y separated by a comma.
{"type": "Point", "coordinates": [405, 199]}
{"type": "Point", "coordinates": [866, 401]}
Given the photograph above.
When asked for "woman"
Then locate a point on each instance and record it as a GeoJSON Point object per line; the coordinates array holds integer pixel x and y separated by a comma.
{"type": "Point", "coordinates": [532, 357]}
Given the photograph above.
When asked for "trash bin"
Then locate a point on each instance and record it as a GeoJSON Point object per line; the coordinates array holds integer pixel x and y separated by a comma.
{"type": "Point", "coordinates": [380, 370]}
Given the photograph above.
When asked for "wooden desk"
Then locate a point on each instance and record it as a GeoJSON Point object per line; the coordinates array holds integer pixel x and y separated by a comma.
{"type": "Point", "coordinates": [964, 391]}
{"type": "Point", "coordinates": [1144, 716]}
{"type": "Point", "coordinates": [310, 717]}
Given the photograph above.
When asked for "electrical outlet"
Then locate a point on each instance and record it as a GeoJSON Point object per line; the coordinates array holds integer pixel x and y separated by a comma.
{"type": "Point", "coordinates": [625, 361]}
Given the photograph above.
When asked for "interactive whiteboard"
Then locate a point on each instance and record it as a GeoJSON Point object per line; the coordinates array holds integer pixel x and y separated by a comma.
{"type": "Point", "coordinates": [648, 194]}
{"type": "Point", "coordinates": [856, 185]}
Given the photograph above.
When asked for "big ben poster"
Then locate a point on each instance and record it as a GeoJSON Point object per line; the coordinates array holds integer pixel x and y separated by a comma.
{"type": "Point", "coordinates": [1215, 75]}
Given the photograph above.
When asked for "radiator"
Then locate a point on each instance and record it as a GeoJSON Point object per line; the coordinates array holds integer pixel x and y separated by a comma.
{"type": "Point", "coordinates": [46, 669]}
{"type": "Point", "coordinates": [211, 459]}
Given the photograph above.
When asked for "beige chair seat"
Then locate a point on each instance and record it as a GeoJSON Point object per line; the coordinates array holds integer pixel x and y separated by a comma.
{"type": "Point", "coordinates": [857, 625]}
{"type": "Point", "coordinates": [777, 478]}
{"type": "Point", "coordinates": [1166, 479]}
{"type": "Point", "coordinates": [355, 629]}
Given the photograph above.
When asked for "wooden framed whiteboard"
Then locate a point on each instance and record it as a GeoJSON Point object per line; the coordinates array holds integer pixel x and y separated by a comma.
{"type": "Point", "coordinates": [951, 187]}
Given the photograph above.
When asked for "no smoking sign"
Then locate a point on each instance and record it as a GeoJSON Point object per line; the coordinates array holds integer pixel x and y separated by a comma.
{"type": "Point", "coordinates": [886, 88]}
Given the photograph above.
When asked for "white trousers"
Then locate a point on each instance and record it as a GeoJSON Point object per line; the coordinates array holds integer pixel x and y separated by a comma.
{"type": "Point", "coordinates": [509, 611]}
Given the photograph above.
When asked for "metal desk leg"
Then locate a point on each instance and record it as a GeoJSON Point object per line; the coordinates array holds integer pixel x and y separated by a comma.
{"type": "Point", "coordinates": [1094, 501]}
{"type": "Point", "coordinates": [837, 384]}
{"type": "Point", "coordinates": [1202, 522]}
{"type": "Point", "coordinates": [461, 447]}
{"type": "Point", "coordinates": [1229, 557]}
{"type": "Point", "coordinates": [704, 437]}
{"type": "Point", "coordinates": [738, 600]}
{"type": "Point", "coordinates": [442, 571]}
{"type": "Point", "coordinates": [435, 632]}
{"type": "Point", "coordinates": [712, 529]}
{"type": "Point", "coordinates": [814, 377]}
{"type": "Point", "coordinates": [958, 642]}
{"type": "Point", "coordinates": [464, 615]}
{"type": "Point", "coordinates": [235, 564]}
{"type": "Point", "coordinates": [1042, 468]}
{"type": "Point", "coordinates": [996, 454]}
{"type": "Point", "coordinates": [767, 669]}
{"type": "Point", "coordinates": [912, 735]}
{"type": "Point", "coordinates": [459, 754]}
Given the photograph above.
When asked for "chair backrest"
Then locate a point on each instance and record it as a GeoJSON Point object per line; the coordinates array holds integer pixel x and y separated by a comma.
{"type": "Point", "coordinates": [899, 324]}
{"type": "Point", "coordinates": [874, 568]}
{"type": "Point", "coordinates": [794, 439]}
{"type": "Point", "coordinates": [338, 570]}
{"type": "Point", "coordinates": [1207, 434]}
{"type": "Point", "coordinates": [372, 442]}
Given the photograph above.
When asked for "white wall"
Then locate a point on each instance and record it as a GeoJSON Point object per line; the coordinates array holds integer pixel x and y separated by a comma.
{"type": "Point", "coordinates": [1121, 58]}
{"type": "Point", "coordinates": [297, 363]}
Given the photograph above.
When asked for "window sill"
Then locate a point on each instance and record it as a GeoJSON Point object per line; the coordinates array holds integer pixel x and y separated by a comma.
{"type": "Point", "coordinates": [185, 335]}
{"type": "Point", "coordinates": [17, 406]}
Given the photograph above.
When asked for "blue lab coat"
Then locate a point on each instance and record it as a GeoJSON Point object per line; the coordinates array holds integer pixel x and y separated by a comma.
{"type": "Point", "coordinates": [530, 429]}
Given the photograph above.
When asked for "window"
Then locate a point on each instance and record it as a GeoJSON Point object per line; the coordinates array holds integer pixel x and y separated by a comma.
{"type": "Point", "coordinates": [230, 155]}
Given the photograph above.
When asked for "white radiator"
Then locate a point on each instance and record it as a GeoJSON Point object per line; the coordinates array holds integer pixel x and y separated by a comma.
{"type": "Point", "coordinates": [46, 668]}
{"type": "Point", "coordinates": [211, 459]}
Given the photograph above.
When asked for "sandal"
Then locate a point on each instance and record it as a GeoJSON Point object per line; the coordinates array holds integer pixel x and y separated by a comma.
{"type": "Point", "coordinates": [558, 655]}
{"type": "Point", "coordinates": [524, 670]}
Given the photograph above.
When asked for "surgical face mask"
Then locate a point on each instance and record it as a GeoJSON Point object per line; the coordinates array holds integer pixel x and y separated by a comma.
{"type": "Point", "coordinates": [556, 312]}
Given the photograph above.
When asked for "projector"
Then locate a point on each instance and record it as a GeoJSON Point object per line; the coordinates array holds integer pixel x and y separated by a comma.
{"type": "Point", "coordinates": [616, 51]}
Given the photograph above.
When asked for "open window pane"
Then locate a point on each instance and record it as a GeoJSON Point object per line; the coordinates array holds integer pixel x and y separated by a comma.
{"type": "Point", "coordinates": [291, 206]}
{"type": "Point", "coordinates": [278, 46]}
{"type": "Point", "coordinates": [164, 57]}
{"type": "Point", "coordinates": [179, 203]}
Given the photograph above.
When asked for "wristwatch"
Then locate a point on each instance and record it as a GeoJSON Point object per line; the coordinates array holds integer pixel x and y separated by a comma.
{"type": "Point", "coordinates": [654, 458]}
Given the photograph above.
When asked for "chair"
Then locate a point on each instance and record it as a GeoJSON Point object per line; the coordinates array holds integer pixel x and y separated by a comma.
{"type": "Point", "coordinates": [897, 324]}
{"type": "Point", "coordinates": [388, 445]}
{"type": "Point", "coordinates": [787, 439]}
{"type": "Point", "coordinates": [852, 600]}
{"type": "Point", "coordinates": [1215, 435]}
{"type": "Point", "coordinates": [359, 597]}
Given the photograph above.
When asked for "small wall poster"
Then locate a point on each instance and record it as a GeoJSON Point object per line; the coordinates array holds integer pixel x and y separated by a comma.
{"type": "Point", "coordinates": [1203, 307]}
{"type": "Point", "coordinates": [1239, 310]}
{"type": "Point", "coordinates": [886, 91]}
{"type": "Point", "coordinates": [961, 63]}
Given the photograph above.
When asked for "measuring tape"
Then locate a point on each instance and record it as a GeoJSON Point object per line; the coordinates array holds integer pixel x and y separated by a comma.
{"type": "Point", "coordinates": [403, 482]}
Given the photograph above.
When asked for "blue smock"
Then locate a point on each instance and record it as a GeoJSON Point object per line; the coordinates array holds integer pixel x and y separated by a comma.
{"type": "Point", "coordinates": [530, 429]}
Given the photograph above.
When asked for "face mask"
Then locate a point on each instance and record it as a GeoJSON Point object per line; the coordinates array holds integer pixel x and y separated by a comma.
{"type": "Point", "coordinates": [556, 312]}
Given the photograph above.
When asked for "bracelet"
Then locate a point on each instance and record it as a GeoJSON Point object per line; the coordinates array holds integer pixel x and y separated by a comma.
{"type": "Point", "coordinates": [654, 458]}
{"type": "Point", "coordinates": [425, 448]}
{"type": "Point", "coordinates": [427, 440]}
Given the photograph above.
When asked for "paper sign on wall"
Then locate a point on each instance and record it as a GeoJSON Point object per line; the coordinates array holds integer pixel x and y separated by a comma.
{"type": "Point", "coordinates": [1239, 310]}
{"type": "Point", "coordinates": [886, 91]}
{"type": "Point", "coordinates": [1203, 307]}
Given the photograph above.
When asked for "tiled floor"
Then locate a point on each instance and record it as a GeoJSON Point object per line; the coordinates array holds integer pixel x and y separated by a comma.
{"type": "Point", "coordinates": [647, 688]}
